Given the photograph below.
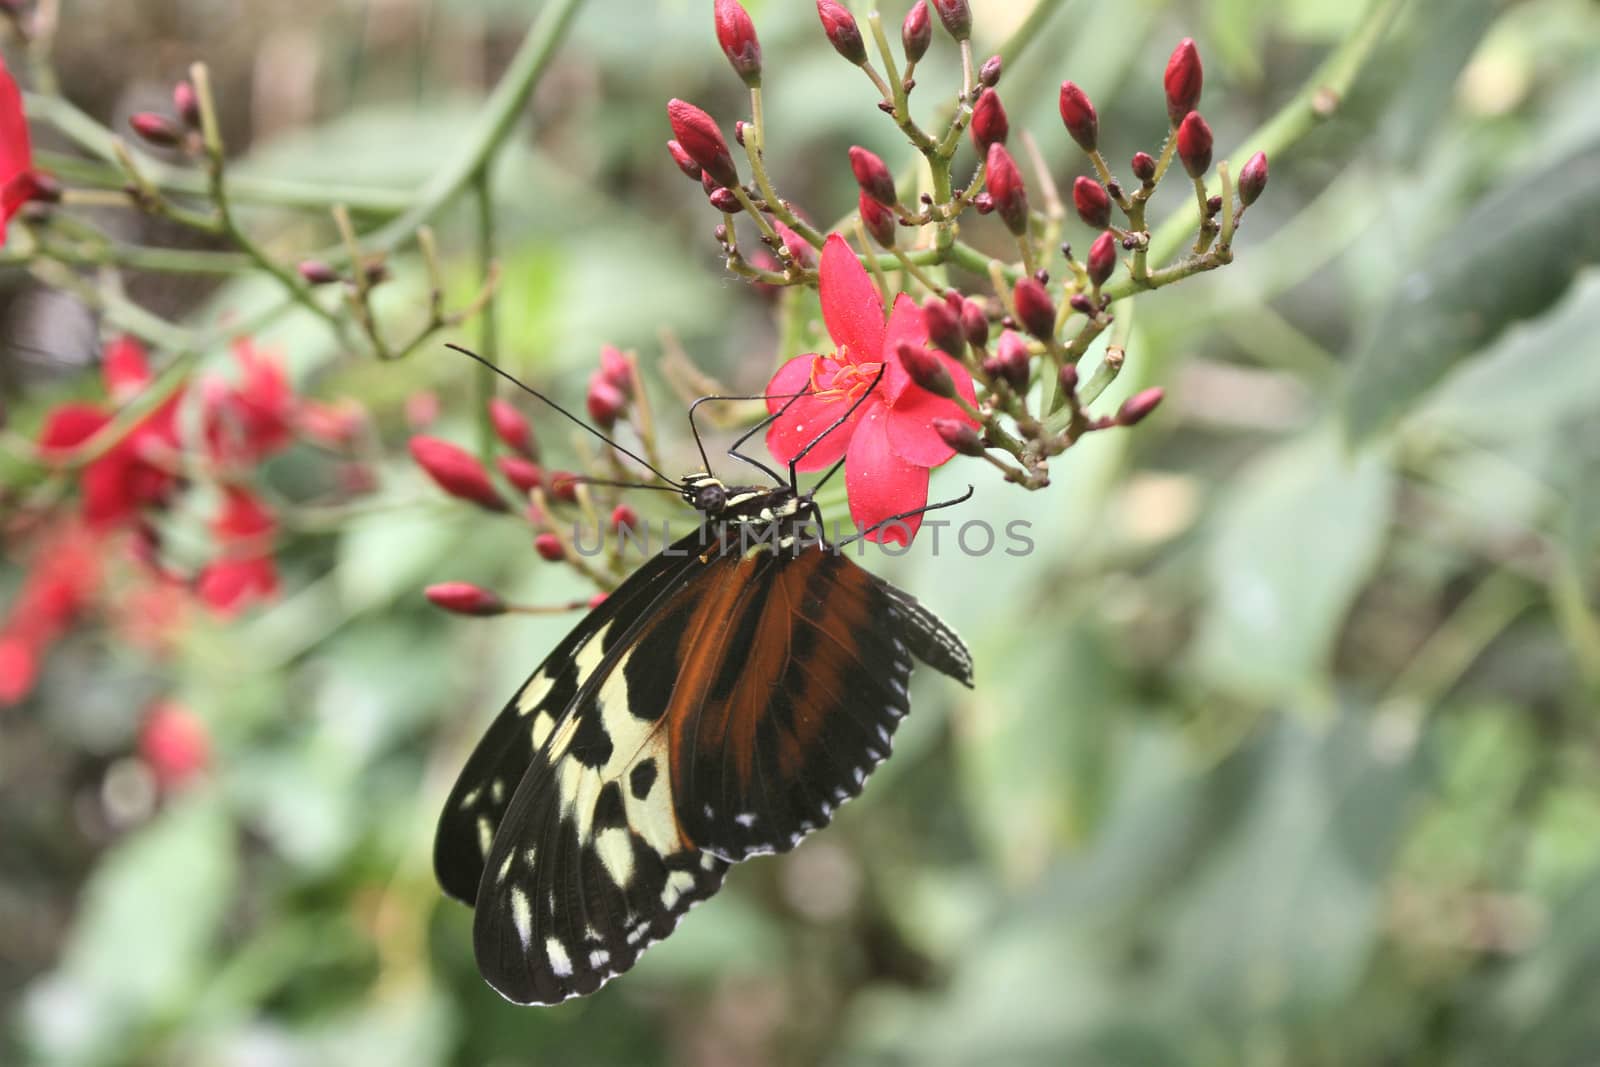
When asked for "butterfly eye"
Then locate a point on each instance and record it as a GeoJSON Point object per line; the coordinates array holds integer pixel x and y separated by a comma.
{"type": "Point", "coordinates": [711, 499]}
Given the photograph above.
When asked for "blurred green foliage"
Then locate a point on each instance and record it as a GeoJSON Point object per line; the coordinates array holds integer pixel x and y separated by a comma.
{"type": "Point", "coordinates": [1284, 747]}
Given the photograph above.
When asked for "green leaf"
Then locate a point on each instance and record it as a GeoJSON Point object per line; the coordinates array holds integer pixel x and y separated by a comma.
{"type": "Point", "coordinates": [1511, 257]}
{"type": "Point", "coordinates": [1293, 542]}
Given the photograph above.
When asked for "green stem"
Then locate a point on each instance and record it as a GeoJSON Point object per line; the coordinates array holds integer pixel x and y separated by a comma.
{"type": "Point", "coordinates": [488, 324]}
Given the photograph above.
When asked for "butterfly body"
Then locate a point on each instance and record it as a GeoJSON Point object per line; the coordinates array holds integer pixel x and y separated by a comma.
{"type": "Point", "coordinates": [719, 704]}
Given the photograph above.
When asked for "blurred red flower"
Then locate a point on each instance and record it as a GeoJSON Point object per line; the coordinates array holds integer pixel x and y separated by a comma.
{"type": "Point", "coordinates": [888, 443]}
{"type": "Point", "coordinates": [252, 418]}
{"type": "Point", "coordinates": [17, 184]}
{"type": "Point", "coordinates": [244, 570]}
{"type": "Point", "coordinates": [174, 743]}
{"type": "Point", "coordinates": [64, 577]}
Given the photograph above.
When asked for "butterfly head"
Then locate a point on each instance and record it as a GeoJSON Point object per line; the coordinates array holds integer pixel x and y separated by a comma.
{"type": "Point", "coordinates": [705, 493]}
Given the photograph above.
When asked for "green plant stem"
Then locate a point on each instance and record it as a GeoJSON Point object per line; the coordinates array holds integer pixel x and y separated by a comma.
{"type": "Point", "coordinates": [488, 323]}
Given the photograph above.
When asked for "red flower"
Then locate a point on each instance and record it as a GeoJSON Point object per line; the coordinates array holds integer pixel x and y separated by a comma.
{"type": "Point", "coordinates": [137, 471]}
{"type": "Point", "coordinates": [64, 577]}
{"type": "Point", "coordinates": [253, 418]}
{"type": "Point", "coordinates": [174, 744]}
{"type": "Point", "coordinates": [17, 183]}
{"type": "Point", "coordinates": [889, 443]}
{"type": "Point", "coordinates": [245, 570]}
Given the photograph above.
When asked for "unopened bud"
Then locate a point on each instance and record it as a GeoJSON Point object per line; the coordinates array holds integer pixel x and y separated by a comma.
{"type": "Point", "coordinates": [737, 36]}
{"type": "Point", "coordinates": [1013, 360]}
{"type": "Point", "coordinates": [155, 129]}
{"type": "Point", "coordinates": [616, 368]}
{"type": "Point", "coordinates": [983, 203]}
{"type": "Point", "coordinates": [511, 426]}
{"type": "Point", "coordinates": [697, 132]}
{"type": "Point", "coordinates": [564, 486]}
{"type": "Point", "coordinates": [525, 474]}
{"type": "Point", "coordinates": [956, 16]}
{"type": "Point", "coordinates": [1079, 117]}
{"type": "Point", "coordinates": [1102, 262]}
{"type": "Point", "coordinates": [684, 162]}
{"type": "Point", "coordinates": [1081, 304]}
{"type": "Point", "coordinates": [1252, 178]}
{"type": "Point", "coordinates": [878, 220]}
{"type": "Point", "coordinates": [1144, 167]}
{"type": "Point", "coordinates": [1035, 310]}
{"type": "Point", "coordinates": [604, 401]}
{"type": "Point", "coordinates": [456, 471]}
{"type": "Point", "coordinates": [1010, 196]}
{"type": "Point", "coordinates": [974, 323]}
{"type": "Point", "coordinates": [1183, 80]}
{"type": "Point", "coordinates": [1194, 144]}
{"type": "Point", "coordinates": [624, 518]}
{"type": "Point", "coordinates": [916, 32]}
{"type": "Point", "coordinates": [842, 31]}
{"type": "Point", "coordinates": [926, 369]}
{"type": "Point", "coordinates": [463, 598]}
{"type": "Point", "coordinates": [724, 201]}
{"type": "Point", "coordinates": [989, 73]}
{"type": "Point", "coordinates": [989, 122]}
{"type": "Point", "coordinates": [316, 272]}
{"type": "Point", "coordinates": [872, 174]}
{"type": "Point", "coordinates": [960, 436]}
{"type": "Point", "coordinates": [1137, 406]}
{"type": "Point", "coordinates": [550, 548]}
{"type": "Point", "coordinates": [1068, 377]}
{"type": "Point", "coordinates": [186, 103]}
{"type": "Point", "coordinates": [1092, 201]}
{"type": "Point", "coordinates": [944, 326]}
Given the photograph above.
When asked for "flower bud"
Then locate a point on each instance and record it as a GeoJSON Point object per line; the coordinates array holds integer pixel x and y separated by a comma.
{"type": "Point", "coordinates": [737, 36]}
{"type": "Point", "coordinates": [697, 132]}
{"type": "Point", "coordinates": [156, 129]}
{"type": "Point", "coordinates": [974, 323]}
{"type": "Point", "coordinates": [604, 401]}
{"type": "Point", "coordinates": [550, 548]}
{"type": "Point", "coordinates": [989, 73]}
{"type": "Point", "coordinates": [872, 174]}
{"type": "Point", "coordinates": [1194, 144]}
{"type": "Point", "coordinates": [1144, 167]}
{"type": "Point", "coordinates": [916, 32]}
{"type": "Point", "coordinates": [1102, 262]}
{"type": "Point", "coordinates": [983, 203]}
{"type": "Point", "coordinates": [878, 220]}
{"type": "Point", "coordinates": [842, 31]}
{"type": "Point", "coordinates": [617, 369]}
{"type": "Point", "coordinates": [525, 474]}
{"type": "Point", "coordinates": [456, 471]}
{"type": "Point", "coordinates": [944, 326]}
{"type": "Point", "coordinates": [1012, 360]}
{"type": "Point", "coordinates": [1137, 406]}
{"type": "Point", "coordinates": [624, 518]}
{"type": "Point", "coordinates": [1079, 117]}
{"type": "Point", "coordinates": [724, 201]}
{"type": "Point", "coordinates": [685, 164]}
{"type": "Point", "coordinates": [187, 104]}
{"type": "Point", "coordinates": [1252, 178]}
{"type": "Point", "coordinates": [1183, 80]}
{"type": "Point", "coordinates": [564, 486]}
{"type": "Point", "coordinates": [989, 123]}
{"type": "Point", "coordinates": [926, 369]}
{"type": "Point", "coordinates": [174, 743]}
{"type": "Point", "coordinates": [1092, 201]}
{"type": "Point", "coordinates": [956, 16]}
{"type": "Point", "coordinates": [422, 408]}
{"type": "Point", "coordinates": [1068, 377]}
{"type": "Point", "coordinates": [464, 598]}
{"type": "Point", "coordinates": [1081, 304]}
{"type": "Point", "coordinates": [1035, 310]}
{"type": "Point", "coordinates": [1010, 196]}
{"type": "Point", "coordinates": [316, 272]}
{"type": "Point", "coordinates": [511, 426]}
{"type": "Point", "coordinates": [959, 435]}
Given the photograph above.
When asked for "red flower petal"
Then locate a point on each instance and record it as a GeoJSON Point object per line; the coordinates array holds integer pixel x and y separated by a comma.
{"type": "Point", "coordinates": [19, 668]}
{"type": "Point", "coordinates": [70, 425]}
{"type": "Point", "coordinates": [808, 417]}
{"type": "Point", "coordinates": [910, 424]}
{"type": "Point", "coordinates": [125, 368]}
{"type": "Point", "coordinates": [881, 484]}
{"type": "Point", "coordinates": [851, 306]}
{"type": "Point", "coordinates": [906, 324]}
{"type": "Point", "coordinates": [16, 152]}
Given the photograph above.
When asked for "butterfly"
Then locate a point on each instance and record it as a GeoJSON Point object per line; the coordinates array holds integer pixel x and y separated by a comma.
{"type": "Point", "coordinates": [720, 704]}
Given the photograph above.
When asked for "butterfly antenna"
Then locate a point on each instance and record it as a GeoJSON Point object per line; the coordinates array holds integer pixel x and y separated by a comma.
{"type": "Point", "coordinates": [923, 510]}
{"type": "Point", "coordinates": [585, 480]}
{"type": "Point", "coordinates": [646, 464]}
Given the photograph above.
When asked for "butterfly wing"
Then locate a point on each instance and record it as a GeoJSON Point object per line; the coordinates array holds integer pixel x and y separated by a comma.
{"type": "Point", "coordinates": [794, 677]}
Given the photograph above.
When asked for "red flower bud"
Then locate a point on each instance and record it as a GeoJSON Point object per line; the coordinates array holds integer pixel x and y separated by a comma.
{"type": "Point", "coordinates": [174, 744]}
{"type": "Point", "coordinates": [944, 328]}
{"type": "Point", "coordinates": [697, 132]}
{"type": "Point", "coordinates": [1078, 115]}
{"type": "Point", "coordinates": [926, 369]}
{"type": "Point", "coordinates": [1102, 261]}
{"type": "Point", "coordinates": [974, 323]}
{"type": "Point", "coordinates": [989, 73]}
{"type": "Point", "coordinates": [737, 36]}
{"type": "Point", "coordinates": [878, 220]}
{"type": "Point", "coordinates": [685, 164]}
{"type": "Point", "coordinates": [1012, 360]}
{"type": "Point", "coordinates": [511, 426]}
{"type": "Point", "coordinates": [1137, 406]}
{"type": "Point", "coordinates": [463, 598]}
{"type": "Point", "coordinates": [1144, 167]}
{"type": "Point", "coordinates": [186, 104]}
{"type": "Point", "coordinates": [872, 174]}
{"type": "Point", "coordinates": [456, 471]}
{"type": "Point", "coordinates": [316, 272]}
{"type": "Point", "coordinates": [617, 369]}
{"type": "Point", "coordinates": [956, 16]}
{"type": "Point", "coordinates": [525, 474]}
{"type": "Point", "coordinates": [1252, 178]}
{"type": "Point", "coordinates": [564, 486]}
{"type": "Point", "coordinates": [624, 518]}
{"type": "Point", "coordinates": [1183, 80]}
{"type": "Point", "coordinates": [156, 129]}
{"type": "Point", "coordinates": [605, 401]}
{"type": "Point", "coordinates": [916, 32]}
{"type": "Point", "coordinates": [549, 547]}
{"type": "Point", "coordinates": [1092, 201]}
{"type": "Point", "coordinates": [1081, 304]}
{"type": "Point", "coordinates": [1194, 144]}
{"type": "Point", "coordinates": [1035, 310]}
{"type": "Point", "coordinates": [724, 201]}
{"type": "Point", "coordinates": [1010, 196]}
{"type": "Point", "coordinates": [989, 122]}
{"type": "Point", "coordinates": [842, 31]}
{"type": "Point", "coordinates": [959, 435]}
{"type": "Point", "coordinates": [596, 600]}
{"type": "Point", "coordinates": [983, 203]}
{"type": "Point", "coordinates": [1068, 376]}
{"type": "Point", "coordinates": [421, 409]}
